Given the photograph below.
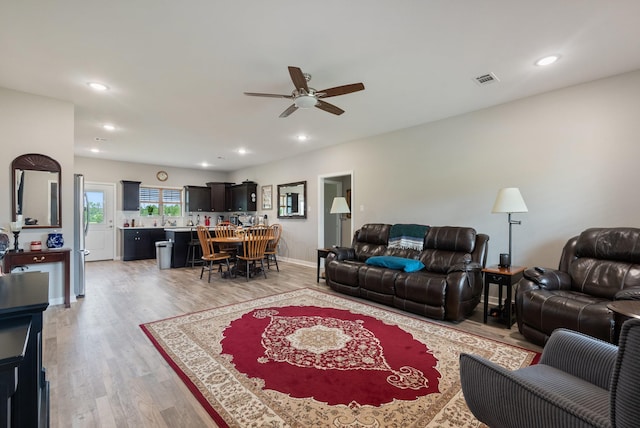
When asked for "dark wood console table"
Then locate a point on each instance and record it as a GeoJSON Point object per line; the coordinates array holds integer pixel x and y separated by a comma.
{"type": "Point", "coordinates": [47, 255]}
{"type": "Point", "coordinates": [23, 299]}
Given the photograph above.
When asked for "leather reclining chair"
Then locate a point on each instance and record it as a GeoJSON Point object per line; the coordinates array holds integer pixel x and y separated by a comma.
{"type": "Point", "coordinates": [597, 267]}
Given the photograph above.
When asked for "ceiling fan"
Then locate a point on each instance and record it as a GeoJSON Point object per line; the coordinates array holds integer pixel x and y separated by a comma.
{"type": "Point", "coordinates": [305, 97]}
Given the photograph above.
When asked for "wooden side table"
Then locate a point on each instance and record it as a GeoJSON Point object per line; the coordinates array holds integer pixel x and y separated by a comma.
{"type": "Point", "coordinates": [46, 255]}
{"type": "Point", "coordinates": [623, 310]}
{"type": "Point", "coordinates": [322, 254]}
{"type": "Point", "coordinates": [503, 277]}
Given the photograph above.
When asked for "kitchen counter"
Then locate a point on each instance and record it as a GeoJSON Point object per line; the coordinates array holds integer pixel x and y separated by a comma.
{"type": "Point", "coordinates": [172, 228]}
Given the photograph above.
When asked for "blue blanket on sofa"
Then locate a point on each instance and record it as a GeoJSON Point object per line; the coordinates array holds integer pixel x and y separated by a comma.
{"type": "Point", "coordinates": [407, 236]}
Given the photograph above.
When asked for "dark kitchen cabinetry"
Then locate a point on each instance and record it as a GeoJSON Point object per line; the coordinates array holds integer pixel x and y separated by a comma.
{"type": "Point", "coordinates": [140, 244]}
{"type": "Point", "coordinates": [220, 196]}
{"type": "Point", "coordinates": [197, 199]}
{"type": "Point", "coordinates": [244, 196]}
{"type": "Point", "coordinates": [130, 195]}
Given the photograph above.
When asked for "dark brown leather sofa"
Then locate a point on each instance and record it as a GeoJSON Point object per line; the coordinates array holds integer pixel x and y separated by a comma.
{"type": "Point", "coordinates": [448, 288]}
{"type": "Point", "coordinates": [596, 267]}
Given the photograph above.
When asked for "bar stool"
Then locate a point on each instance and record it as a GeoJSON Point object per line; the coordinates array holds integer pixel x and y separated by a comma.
{"type": "Point", "coordinates": [194, 251]}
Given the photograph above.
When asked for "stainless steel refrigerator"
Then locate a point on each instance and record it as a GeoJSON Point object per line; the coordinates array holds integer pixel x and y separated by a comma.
{"type": "Point", "coordinates": [80, 228]}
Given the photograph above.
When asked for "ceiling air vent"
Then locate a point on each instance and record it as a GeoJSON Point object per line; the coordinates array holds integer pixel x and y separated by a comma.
{"type": "Point", "coordinates": [486, 79]}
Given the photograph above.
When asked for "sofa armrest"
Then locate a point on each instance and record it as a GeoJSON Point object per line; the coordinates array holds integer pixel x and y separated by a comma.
{"type": "Point", "coordinates": [522, 403]}
{"type": "Point", "coordinates": [550, 279]}
{"type": "Point", "coordinates": [597, 357]}
{"type": "Point", "coordinates": [344, 253]}
{"type": "Point", "coordinates": [631, 293]}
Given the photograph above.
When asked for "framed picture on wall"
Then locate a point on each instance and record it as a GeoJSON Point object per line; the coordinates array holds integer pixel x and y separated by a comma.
{"type": "Point", "coordinates": [348, 198]}
{"type": "Point", "coordinates": [267, 191]}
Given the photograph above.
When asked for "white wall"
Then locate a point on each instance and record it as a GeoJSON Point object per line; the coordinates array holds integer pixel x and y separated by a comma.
{"type": "Point", "coordinates": [572, 152]}
{"type": "Point", "coordinates": [34, 124]}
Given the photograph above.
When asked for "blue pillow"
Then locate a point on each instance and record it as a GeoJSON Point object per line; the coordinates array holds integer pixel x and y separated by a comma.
{"type": "Point", "coordinates": [393, 262]}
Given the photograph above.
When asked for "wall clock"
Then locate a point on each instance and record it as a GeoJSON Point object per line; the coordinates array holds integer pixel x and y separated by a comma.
{"type": "Point", "coordinates": [162, 175]}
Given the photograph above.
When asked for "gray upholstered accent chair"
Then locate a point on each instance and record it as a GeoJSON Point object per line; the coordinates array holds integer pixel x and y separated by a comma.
{"type": "Point", "coordinates": [580, 381]}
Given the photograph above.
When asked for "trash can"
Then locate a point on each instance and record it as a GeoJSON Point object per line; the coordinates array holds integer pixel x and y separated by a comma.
{"type": "Point", "coordinates": [163, 254]}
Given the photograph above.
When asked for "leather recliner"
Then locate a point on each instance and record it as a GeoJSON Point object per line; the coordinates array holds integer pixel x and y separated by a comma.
{"type": "Point", "coordinates": [597, 267]}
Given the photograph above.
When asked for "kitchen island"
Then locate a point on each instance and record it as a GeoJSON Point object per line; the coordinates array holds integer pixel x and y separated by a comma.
{"type": "Point", "coordinates": [139, 243]}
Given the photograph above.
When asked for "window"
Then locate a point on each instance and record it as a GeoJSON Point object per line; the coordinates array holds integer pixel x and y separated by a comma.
{"type": "Point", "coordinates": [95, 206]}
{"type": "Point", "coordinates": [160, 201]}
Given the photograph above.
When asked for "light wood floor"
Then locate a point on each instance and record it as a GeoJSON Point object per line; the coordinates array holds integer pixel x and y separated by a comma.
{"type": "Point", "coordinates": [103, 370]}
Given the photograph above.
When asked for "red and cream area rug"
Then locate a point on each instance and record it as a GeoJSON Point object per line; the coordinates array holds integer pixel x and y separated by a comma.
{"type": "Point", "coordinates": [312, 359]}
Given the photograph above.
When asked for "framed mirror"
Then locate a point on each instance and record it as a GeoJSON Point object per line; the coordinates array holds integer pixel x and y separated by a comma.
{"type": "Point", "coordinates": [36, 191]}
{"type": "Point", "coordinates": [292, 200]}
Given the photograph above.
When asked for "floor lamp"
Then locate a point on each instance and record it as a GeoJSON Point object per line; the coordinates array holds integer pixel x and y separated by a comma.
{"type": "Point", "coordinates": [509, 200]}
{"type": "Point", "coordinates": [340, 206]}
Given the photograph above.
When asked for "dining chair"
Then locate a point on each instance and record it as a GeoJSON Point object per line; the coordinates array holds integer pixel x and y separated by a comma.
{"type": "Point", "coordinates": [226, 231]}
{"type": "Point", "coordinates": [209, 256]}
{"type": "Point", "coordinates": [272, 246]}
{"type": "Point", "coordinates": [254, 245]}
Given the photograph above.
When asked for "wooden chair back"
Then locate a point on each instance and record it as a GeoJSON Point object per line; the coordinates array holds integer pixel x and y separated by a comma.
{"type": "Point", "coordinates": [225, 231]}
{"type": "Point", "coordinates": [255, 242]}
{"type": "Point", "coordinates": [276, 231]}
{"type": "Point", "coordinates": [205, 241]}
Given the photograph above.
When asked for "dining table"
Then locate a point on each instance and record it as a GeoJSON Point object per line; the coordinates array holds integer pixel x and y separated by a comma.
{"type": "Point", "coordinates": [238, 239]}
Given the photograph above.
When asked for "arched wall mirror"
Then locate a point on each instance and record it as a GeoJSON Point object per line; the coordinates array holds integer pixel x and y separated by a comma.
{"type": "Point", "coordinates": [292, 200]}
{"type": "Point", "coordinates": [36, 191]}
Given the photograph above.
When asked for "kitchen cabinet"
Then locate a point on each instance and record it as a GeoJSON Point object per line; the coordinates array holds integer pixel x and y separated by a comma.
{"type": "Point", "coordinates": [140, 244]}
{"type": "Point", "coordinates": [244, 196]}
{"type": "Point", "coordinates": [197, 199]}
{"type": "Point", "coordinates": [220, 196]}
{"type": "Point", "coordinates": [130, 195]}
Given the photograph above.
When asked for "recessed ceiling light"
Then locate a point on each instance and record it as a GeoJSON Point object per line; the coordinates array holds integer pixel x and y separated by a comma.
{"type": "Point", "coordinates": [98, 86]}
{"type": "Point", "coordinates": [95, 150]}
{"type": "Point", "coordinates": [108, 127]}
{"type": "Point", "coordinates": [547, 60]}
{"type": "Point", "coordinates": [302, 137]}
{"type": "Point", "coordinates": [204, 164]}
{"type": "Point", "coordinates": [242, 151]}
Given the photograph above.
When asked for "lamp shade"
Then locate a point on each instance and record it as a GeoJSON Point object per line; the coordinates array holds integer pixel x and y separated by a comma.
{"type": "Point", "coordinates": [509, 200]}
{"type": "Point", "coordinates": [339, 206]}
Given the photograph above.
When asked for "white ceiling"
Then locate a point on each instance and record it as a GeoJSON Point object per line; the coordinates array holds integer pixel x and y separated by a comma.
{"type": "Point", "coordinates": [178, 69]}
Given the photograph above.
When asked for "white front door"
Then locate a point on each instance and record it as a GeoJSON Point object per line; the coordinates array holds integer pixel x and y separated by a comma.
{"type": "Point", "coordinates": [101, 232]}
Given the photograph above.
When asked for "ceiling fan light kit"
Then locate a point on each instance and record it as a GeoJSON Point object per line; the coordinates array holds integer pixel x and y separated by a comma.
{"type": "Point", "coordinates": [305, 97]}
{"type": "Point", "coordinates": [305, 101]}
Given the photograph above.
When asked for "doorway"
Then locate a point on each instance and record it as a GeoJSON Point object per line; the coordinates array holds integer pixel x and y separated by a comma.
{"type": "Point", "coordinates": [101, 233]}
{"type": "Point", "coordinates": [333, 229]}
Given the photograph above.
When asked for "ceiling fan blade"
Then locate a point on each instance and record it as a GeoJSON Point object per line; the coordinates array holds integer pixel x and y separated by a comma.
{"type": "Point", "coordinates": [323, 105]}
{"type": "Point", "coordinates": [340, 90]}
{"type": "Point", "coordinates": [257, 94]}
{"type": "Point", "coordinates": [299, 81]}
{"type": "Point", "coordinates": [288, 111]}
